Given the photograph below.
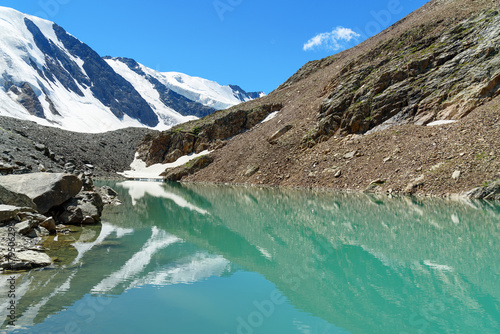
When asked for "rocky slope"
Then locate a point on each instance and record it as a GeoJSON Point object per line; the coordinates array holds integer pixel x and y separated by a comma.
{"type": "Point", "coordinates": [27, 147]}
{"type": "Point", "coordinates": [357, 120]}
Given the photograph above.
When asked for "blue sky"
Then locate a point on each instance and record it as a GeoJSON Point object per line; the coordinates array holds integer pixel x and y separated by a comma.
{"type": "Point", "coordinates": [256, 44]}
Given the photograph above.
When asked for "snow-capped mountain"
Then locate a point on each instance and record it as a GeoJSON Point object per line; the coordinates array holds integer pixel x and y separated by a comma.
{"type": "Point", "coordinates": [50, 77]}
{"type": "Point", "coordinates": [177, 89]}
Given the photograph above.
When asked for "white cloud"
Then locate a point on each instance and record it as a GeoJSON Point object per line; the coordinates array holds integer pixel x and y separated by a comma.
{"type": "Point", "coordinates": [331, 40]}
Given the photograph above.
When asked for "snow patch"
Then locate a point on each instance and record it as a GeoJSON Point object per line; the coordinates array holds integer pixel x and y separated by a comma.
{"type": "Point", "coordinates": [441, 122]}
{"type": "Point", "coordinates": [138, 169]}
{"type": "Point", "coordinates": [270, 116]}
{"type": "Point", "coordinates": [440, 267]}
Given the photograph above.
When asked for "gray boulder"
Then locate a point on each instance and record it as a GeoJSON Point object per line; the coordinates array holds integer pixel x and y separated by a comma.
{"type": "Point", "coordinates": [279, 133]}
{"type": "Point", "coordinates": [491, 191]}
{"type": "Point", "coordinates": [25, 260]}
{"type": "Point", "coordinates": [50, 225]}
{"type": "Point", "coordinates": [251, 170]}
{"type": "Point", "coordinates": [47, 190]}
{"type": "Point", "coordinates": [85, 208]}
{"type": "Point", "coordinates": [12, 198]}
{"type": "Point", "coordinates": [109, 195]}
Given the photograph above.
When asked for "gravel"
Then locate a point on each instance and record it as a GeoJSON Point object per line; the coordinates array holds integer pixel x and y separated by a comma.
{"type": "Point", "coordinates": [28, 147]}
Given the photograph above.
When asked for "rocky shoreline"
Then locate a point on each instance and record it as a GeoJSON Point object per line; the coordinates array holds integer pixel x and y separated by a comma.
{"type": "Point", "coordinates": [36, 205]}
{"type": "Point", "coordinates": [414, 110]}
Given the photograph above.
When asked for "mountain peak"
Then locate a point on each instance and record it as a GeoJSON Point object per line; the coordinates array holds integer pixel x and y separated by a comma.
{"type": "Point", "coordinates": [52, 78]}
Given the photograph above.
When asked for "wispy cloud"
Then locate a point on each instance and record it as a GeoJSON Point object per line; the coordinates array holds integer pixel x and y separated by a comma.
{"type": "Point", "coordinates": [334, 40]}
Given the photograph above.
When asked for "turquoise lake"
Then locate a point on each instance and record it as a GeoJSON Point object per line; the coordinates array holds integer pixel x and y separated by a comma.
{"type": "Point", "coordinates": [189, 259]}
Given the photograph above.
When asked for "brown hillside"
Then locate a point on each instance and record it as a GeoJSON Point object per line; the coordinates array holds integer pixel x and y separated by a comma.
{"type": "Point", "coordinates": [359, 116]}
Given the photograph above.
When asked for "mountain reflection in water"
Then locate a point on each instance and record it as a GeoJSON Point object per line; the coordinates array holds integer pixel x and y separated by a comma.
{"type": "Point", "coordinates": [347, 263]}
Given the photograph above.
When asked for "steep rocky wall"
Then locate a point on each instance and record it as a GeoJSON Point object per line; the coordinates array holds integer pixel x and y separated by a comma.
{"type": "Point", "coordinates": [197, 136]}
{"type": "Point", "coordinates": [418, 77]}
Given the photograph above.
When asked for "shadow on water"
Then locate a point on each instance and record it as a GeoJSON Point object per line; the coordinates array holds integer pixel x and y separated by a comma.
{"type": "Point", "coordinates": [365, 263]}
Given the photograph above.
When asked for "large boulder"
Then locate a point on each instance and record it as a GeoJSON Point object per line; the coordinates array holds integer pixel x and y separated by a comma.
{"type": "Point", "coordinates": [86, 208]}
{"type": "Point", "coordinates": [47, 190]}
{"type": "Point", "coordinates": [8, 197]}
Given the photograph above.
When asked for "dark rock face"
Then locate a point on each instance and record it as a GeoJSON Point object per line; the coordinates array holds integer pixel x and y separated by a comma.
{"type": "Point", "coordinates": [106, 85]}
{"type": "Point", "coordinates": [428, 77]}
{"type": "Point", "coordinates": [170, 98]}
{"type": "Point", "coordinates": [59, 65]}
{"type": "Point", "coordinates": [28, 98]}
{"type": "Point", "coordinates": [197, 136]}
{"type": "Point", "coordinates": [16, 199]}
{"type": "Point", "coordinates": [242, 95]}
{"type": "Point", "coordinates": [191, 167]}
{"type": "Point", "coordinates": [490, 192]}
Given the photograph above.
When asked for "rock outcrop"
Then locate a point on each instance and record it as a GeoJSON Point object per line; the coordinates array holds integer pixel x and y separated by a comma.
{"type": "Point", "coordinates": [417, 77]}
{"type": "Point", "coordinates": [199, 135]}
{"type": "Point", "coordinates": [488, 192]}
{"type": "Point", "coordinates": [84, 209]}
{"type": "Point", "coordinates": [46, 190]}
{"type": "Point", "coordinates": [31, 207]}
{"type": "Point", "coordinates": [176, 174]}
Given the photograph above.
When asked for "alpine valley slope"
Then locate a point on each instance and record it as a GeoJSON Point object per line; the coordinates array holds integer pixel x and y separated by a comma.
{"type": "Point", "coordinates": [362, 119]}
{"type": "Point", "coordinates": [50, 77]}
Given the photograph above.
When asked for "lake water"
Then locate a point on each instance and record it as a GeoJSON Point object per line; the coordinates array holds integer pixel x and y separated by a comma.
{"type": "Point", "coordinates": [205, 259]}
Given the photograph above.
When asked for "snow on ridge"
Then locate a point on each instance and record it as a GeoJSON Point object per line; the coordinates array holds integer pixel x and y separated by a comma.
{"type": "Point", "coordinates": [86, 113]}
{"type": "Point", "coordinates": [207, 92]}
{"type": "Point", "coordinates": [17, 50]}
{"type": "Point", "coordinates": [21, 61]}
{"type": "Point", "coordinates": [204, 91]}
{"type": "Point", "coordinates": [168, 116]}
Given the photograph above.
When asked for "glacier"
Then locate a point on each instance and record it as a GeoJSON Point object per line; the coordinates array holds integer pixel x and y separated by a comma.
{"type": "Point", "coordinates": [50, 77]}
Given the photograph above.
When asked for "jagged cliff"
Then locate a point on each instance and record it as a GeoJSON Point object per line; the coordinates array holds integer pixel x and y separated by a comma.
{"type": "Point", "coordinates": [199, 135]}
{"type": "Point", "coordinates": [359, 119]}
{"type": "Point", "coordinates": [417, 77]}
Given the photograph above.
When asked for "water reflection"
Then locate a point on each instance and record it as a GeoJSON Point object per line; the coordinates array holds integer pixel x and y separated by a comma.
{"type": "Point", "coordinates": [364, 263]}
